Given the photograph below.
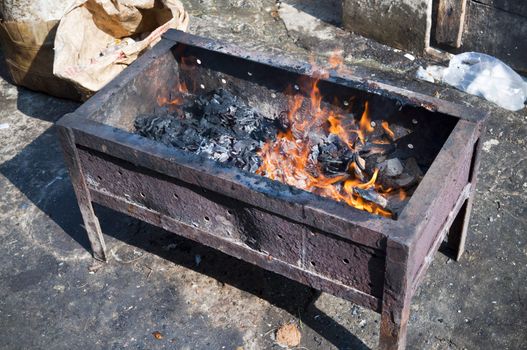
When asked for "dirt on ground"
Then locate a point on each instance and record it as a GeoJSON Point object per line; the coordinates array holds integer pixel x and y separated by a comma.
{"type": "Point", "coordinates": [160, 291]}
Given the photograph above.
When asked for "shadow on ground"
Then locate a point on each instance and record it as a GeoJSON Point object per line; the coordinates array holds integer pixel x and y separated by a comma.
{"type": "Point", "coordinates": [329, 11]}
{"type": "Point", "coordinates": [38, 172]}
{"type": "Point", "coordinates": [295, 298]}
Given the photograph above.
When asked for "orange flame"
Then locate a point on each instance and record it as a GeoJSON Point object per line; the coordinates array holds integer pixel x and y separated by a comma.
{"type": "Point", "coordinates": [163, 101]}
{"type": "Point", "coordinates": [182, 87]}
{"type": "Point", "coordinates": [365, 127]}
{"type": "Point", "coordinates": [387, 129]}
{"type": "Point", "coordinates": [336, 128]}
{"type": "Point", "coordinates": [178, 100]}
{"type": "Point", "coordinates": [287, 158]}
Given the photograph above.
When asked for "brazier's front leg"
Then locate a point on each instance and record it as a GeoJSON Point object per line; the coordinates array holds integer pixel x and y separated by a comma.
{"type": "Point", "coordinates": [82, 192]}
{"type": "Point", "coordinates": [394, 319]}
{"type": "Point", "coordinates": [396, 298]}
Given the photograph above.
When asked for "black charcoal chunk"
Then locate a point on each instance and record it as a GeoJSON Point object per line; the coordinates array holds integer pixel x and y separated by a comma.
{"type": "Point", "coordinates": [370, 149]}
{"type": "Point", "coordinates": [391, 167]}
{"type": "Point", "coordinates": [372, 196]}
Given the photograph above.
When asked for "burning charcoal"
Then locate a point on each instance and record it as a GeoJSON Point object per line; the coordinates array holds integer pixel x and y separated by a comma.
{"type": "Point", "coordinates": [334, 156]}
{"type": "Point", "coordinates": [222, 127]}
{"type": "Point", "coordinates": [391, 167]}
{"type": "Point", "coordinates": [283, 121]}
{"type": "Point", "coordinates": [316, 137]}
{"type": "Point", "coordinates": [358, 173]}
{"type": "Point", "coordinates": [333, 166]}
{"type": "Point", "coordinates": [395, 132]}
{"type": "Point", "coordinates": [370, 149]}
{"type": "Point", "coordinates": [361, 163]}
{"type": "Point", "coordinates": [254, 164]}
{"type": "Point", "coordinates": [378, 131]}
{"type": "Point", "coordinates": [372, 196]}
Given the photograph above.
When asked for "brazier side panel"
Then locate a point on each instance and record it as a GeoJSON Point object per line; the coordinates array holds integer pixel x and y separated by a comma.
{"type": "Point", "coordinates": [297, 244]}
{"type": "Point", "coordinates": [437, 195]}
{"type": "Point", "coordinates": [352, 265]}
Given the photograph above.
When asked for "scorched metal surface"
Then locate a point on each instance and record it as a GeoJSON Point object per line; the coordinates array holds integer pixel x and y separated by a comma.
{"type": "Point", "coordinates": [373, 261]}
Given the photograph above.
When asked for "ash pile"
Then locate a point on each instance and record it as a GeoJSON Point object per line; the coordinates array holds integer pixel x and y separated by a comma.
{"type": "Point", "coordinates": [217, 125]}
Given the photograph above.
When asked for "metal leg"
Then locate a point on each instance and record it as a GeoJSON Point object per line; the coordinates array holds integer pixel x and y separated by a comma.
{"type": "Point", "coordinates": [393, 327]}
{"type": "Point", "coordinates": [457, 234]}
{"type": "Point", "coordinates": [396, 298]}
{"type": "Point", "coordinates": [91, 222]}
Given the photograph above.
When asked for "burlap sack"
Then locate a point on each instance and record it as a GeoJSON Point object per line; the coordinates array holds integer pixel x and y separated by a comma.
{"type": "Point", "coordinates": [28, 53]}
{"type": "Point", "coordinates": [97, 39]}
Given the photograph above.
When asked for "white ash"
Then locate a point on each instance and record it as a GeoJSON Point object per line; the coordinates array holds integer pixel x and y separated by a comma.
{"type": "Point", "coordinates": [217, 125]}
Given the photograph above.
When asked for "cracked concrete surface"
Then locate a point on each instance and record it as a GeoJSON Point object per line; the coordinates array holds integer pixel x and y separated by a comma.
{"type": "Point", "coordinates": [49, 298]}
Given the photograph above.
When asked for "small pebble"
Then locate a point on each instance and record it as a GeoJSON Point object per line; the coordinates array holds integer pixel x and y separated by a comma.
{"type": "Point", "coordinates": [410, 146]}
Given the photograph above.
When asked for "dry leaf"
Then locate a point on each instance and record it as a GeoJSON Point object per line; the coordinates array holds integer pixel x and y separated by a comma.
{"type": "Point", "coordinates": [288, 335]}
{"type": "Point", "coordinates": [157, 335]}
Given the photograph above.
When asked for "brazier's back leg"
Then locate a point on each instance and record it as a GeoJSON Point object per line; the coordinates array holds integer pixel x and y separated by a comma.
{"type": "Point", "coordinates": [457, 234]}
{"type": "Point", "coordinates": [78, 181]}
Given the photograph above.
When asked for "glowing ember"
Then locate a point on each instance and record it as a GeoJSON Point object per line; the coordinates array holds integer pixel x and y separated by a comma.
{"type": "Point", "coordinates": [287, 159]}
{"type": "Point", "coordinates": [181, 89]}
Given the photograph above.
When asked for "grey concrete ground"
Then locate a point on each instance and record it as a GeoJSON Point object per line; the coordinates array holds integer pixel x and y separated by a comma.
{"type": "Point", "coordinates": [49, 298]}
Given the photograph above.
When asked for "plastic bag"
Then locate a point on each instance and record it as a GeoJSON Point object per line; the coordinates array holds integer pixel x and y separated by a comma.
{"type": "Point", "coordinates": [97, 39]}
{"type": "Point", "coordinates": [481, 75]}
